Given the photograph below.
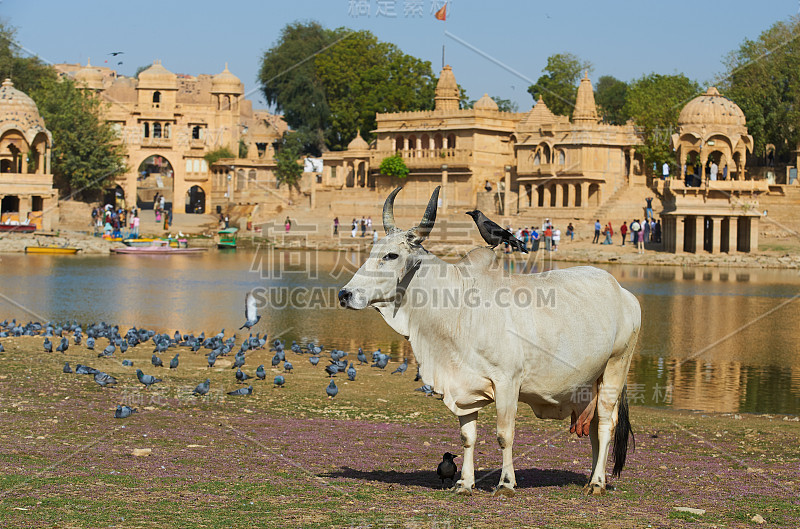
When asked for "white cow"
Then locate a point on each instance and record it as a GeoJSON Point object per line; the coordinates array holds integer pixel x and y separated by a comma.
{"type": "Point", "coordinates": [559, 341]}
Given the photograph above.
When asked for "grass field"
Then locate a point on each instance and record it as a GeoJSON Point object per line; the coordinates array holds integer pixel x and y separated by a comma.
{"type": "Point", "coordinates": [291, 457]}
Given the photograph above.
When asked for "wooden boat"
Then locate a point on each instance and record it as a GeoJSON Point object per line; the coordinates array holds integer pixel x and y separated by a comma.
{"type": "Point", "coordinates": [226, 238]}
{"type": "Point", "coordinates": [157, 248]}
{"type": "Point", "coordinates": [20, 228]}
{"type": "Point", "coordinates": [58, 250]}
{"type": "Point", "coordinates": [174, 243]}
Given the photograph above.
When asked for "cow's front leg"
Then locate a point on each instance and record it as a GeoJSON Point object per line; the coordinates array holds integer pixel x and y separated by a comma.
{"type": "Point", "coordinates": [469, 434]}
{"type": "Point", "coordinates": [506, 417]}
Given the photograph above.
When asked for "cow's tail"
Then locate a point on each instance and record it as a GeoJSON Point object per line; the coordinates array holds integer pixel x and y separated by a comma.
{"type": "Point", "coordinates": [621, 434]}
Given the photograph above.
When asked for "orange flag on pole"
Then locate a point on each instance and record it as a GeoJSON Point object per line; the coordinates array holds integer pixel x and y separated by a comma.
{"type": "Point", "coordinates": [442, 13]}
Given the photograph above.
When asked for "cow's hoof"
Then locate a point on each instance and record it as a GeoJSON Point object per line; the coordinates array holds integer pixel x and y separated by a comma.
{"type": "Point", "coordinates": [462, 490]}
{"type": "Point", "coordinates": [502, 490]}
{"type": "Point", "coordinates": [594, 489]}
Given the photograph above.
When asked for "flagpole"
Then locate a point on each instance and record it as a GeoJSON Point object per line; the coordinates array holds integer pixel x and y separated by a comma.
{"type": "Point", "coordinates": [444, 33]}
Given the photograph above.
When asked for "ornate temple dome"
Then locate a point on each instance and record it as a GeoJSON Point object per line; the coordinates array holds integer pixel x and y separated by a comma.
{"type": "Point", "coordinates": [89, 77]}
{"type": "Point", "coordinates": [585, 107]}
{"type": "Point", "coordinates": [18, 111]}
{"type": "Point", "coordinates": [537, 116]}
{"type": "Point", "coordinates": [711, 108]}
{"type": "Point", "coordinates": [158, 78]}
{"type": "Point", "coordinates": [485, 103]}
{"type": "Point", "coordinates": [358, 143]}
{"type": "Point", "coordinates": [447, 94]}
{"type": "Point", "coordinates": [226, 83]}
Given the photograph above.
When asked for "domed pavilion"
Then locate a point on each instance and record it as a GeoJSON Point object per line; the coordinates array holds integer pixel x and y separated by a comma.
{"type": "Point", "coordinates": [711, 207]}
{"type": "Point", "coordinates": [26, 184]}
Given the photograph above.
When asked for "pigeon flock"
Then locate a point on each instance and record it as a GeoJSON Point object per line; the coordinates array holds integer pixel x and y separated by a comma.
{"type": "Point", "coordinates": [57, 338]}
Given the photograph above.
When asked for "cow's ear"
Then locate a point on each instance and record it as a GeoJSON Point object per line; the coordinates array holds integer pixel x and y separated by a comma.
{"type": "Point", "coordinates": [413, 237]}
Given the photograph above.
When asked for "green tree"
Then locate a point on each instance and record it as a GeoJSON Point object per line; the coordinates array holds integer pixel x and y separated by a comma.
{"type": "Point", "coordinates": [609, 93]}
{"type": "Point", "coordinates": [217, 154]}
{"type": "Point", "coordinates": [763, 78]}
{"type": "Point", "coordinates": [242, 149]}
{"type": "Point", "coordinates": [558, 87]}
{"type": "Point", "coordinates": [362, 76]}
{"type": "Point", "coordinates": [288, 170]}
{"type": "Point", "coordinates": [330, 83]}
{"type": "Point", "coordinates": [28, 73]}
{"type": "Point", "coordinates": [86, 151]}
{"type": "Point", "coordinates": [394, 166]}
{"type": "Point", "coordinates": [289, 79]}
{"type": "Point", "coordinates": [654, 102]}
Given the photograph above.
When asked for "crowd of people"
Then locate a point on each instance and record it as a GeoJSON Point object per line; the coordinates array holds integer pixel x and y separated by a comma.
{"type": "Point", "coordinates": [112, 221]}
{"type": "Point", "coordinates": [533, 237]}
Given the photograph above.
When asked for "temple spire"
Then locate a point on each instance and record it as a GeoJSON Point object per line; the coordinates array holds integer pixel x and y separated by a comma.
{"type": "Point", "coordinates": [585, 107]}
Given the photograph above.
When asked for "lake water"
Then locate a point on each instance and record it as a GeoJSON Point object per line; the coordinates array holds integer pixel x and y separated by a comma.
{"type": "Point", "coordinates": [712, 339]}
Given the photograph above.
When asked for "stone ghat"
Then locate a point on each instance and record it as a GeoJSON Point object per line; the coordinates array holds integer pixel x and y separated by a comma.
{"type": "Point", "coordinates": [16, 242]}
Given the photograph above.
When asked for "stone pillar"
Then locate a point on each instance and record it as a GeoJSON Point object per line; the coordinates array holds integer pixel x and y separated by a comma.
{"type": "Point", "coordinates": [716, 235]}
{"type": "Point", "coordinates": [732, 234]}
{"type": "Point", "coordinates": [405, 143]}
{"type": "Point", "coordinates": [534, 196]}
{"type": "Point", "coordinates": [699, 224]}
{"type": "Point", "coordinates": [507, 192]}
{"type": "Point", "coordinates": [584, 191]}
{"type": "Point", "coordinates": [753, 234]}
{"type": "Point", "coordinates": [47, 164]}
{"type": "Point", "coordinates": [632, 154]}
{"type": "Point", "coordinates": [678, 237]}
{"type": "Point", "coordinates": [444, 142]}
{"type": "Point", "coordinates": [443, 194]}
{"type": "Point", "coordinates": [24, 207]}
{"type": "Point", "coordinates": [559, 195]}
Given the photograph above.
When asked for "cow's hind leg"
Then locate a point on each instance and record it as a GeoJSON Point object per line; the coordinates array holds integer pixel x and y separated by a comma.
{"type": "Point", "coordinates": [469, 434]}
{"type": "Point", "coordinates": [506, 416]}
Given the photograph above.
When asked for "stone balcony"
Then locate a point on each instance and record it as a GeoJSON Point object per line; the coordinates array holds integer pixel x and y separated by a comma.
{"type": "Point", "coordinates": [11, 183]}
{"type": "Point", "coordinates": [427, 158]}
{"type": "Point", "coordinates": [678, 187]}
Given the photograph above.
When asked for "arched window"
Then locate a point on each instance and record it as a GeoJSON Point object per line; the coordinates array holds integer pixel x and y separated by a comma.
{"type": "Point", "coordinates": [437, 141]}
{"type": "Point", "coordinates": [156, 97]}
{"type": "Point", "coordinates": [536, 159]}
{"type": "Point", "coordinates": [398, 143]}
{"type": "Point", "coordinates": [166, 130]}
{"type": "Point", "coordinates": [156, 130]}
{"type": "Point", "coordinates": [226, 103]}
{"type": "Point", "coordinates": [426, 142]}
{"type": "Point", "coordinates": [451, 141]}
{"type": "Point", "coordinates": [561, 158]}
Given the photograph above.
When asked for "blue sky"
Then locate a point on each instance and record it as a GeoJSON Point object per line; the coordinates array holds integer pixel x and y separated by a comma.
{"type": "Point", "coordinates": [625, 39]}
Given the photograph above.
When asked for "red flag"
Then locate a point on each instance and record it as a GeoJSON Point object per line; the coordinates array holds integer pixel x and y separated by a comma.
{"type": "Point", "coordinates": [442, 13]}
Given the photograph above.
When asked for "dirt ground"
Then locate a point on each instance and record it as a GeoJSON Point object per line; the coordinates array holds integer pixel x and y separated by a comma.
{"type": "Point", "coordinates": [291, 457]}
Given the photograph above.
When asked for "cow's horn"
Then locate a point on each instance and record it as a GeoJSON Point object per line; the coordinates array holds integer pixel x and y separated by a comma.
{"type": "Point", "coordinates": [388, 212]}
{"type": "Point", "coordinates": [429, 217]}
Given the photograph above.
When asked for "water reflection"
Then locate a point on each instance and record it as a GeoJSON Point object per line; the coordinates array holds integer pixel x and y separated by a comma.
{"type": "Point", "coordinates": [712, 339]}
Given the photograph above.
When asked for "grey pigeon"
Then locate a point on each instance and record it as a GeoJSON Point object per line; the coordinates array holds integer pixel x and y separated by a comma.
{"type": "Point", "coordinates": [85, 370]}
{"type": "Point", "coordinates": [314, 360]}
{"type": "Point", "coordinates": [418, 377]}
{"type": "Point", "coordinates": [63, 346]}
{"type": "Point", "coordinates": [238, 361]}
{"type": "Point", "coordinates": [276, 360]}
{"type": "Point", "coordinates": [156, 361]}
{"type": "Point", "coordinates": [447, 468]}
{"type": "Point", "coordinates": [123, 412]}
{"type": "Point", "coordinates": [104, 379]}
{"type": "Point", "coordinates": [90, 343]}
{"type": "Point", "coordinates": [108, 351]}
{"type": "Point", "coordinates": [260, 373]}
{"type": "Point", "coordinates": [331, 370]}
{"type": "Point", "coordinates": [401, 368]}
{"type": "Point", "coordinates": [250, 313]}
{"type": "Point", "coordinates": [127, 363]}
{"type": "Point", "coordinates": [147, 380]}
{"type": "Point", "coordinates": [362, 358]}
{"type": "Point", "coordinates": [332, 390]}
{"type": "Point", "coordinates": [212, 359]}
{"type": "Point", "coordinates": [279, 381]}
{"type": "Point", "coordinates": [426, 389]}
{"type": "Point", "coordinates": [382, 362]}
{"type": "Point", "coordinates": [242, 391]}
{"type": "Point", "coordinates": [351, 372]}
{"type": "Point", "coordinates": [173, 364]}
{"type": "Point", "coordinates": [202, 388]}
{"type": "Point", "coordinates": [287, 367]}
{"type": "Point", "coordinates": [492, 233]}
{"type": "Point", "coordinates": [48, 346]}
{"type": "Point", "coordinates": [241, 376]}
{"type": "Point", "coordinates": [67, 369]}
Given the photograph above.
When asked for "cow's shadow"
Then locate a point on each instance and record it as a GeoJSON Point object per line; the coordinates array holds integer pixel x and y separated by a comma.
{"type": "Point", "coordinates": [484, 480]}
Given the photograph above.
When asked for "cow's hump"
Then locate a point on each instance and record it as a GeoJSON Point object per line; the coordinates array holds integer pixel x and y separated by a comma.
{"type": "Point", "coordinates": [478, 259]}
